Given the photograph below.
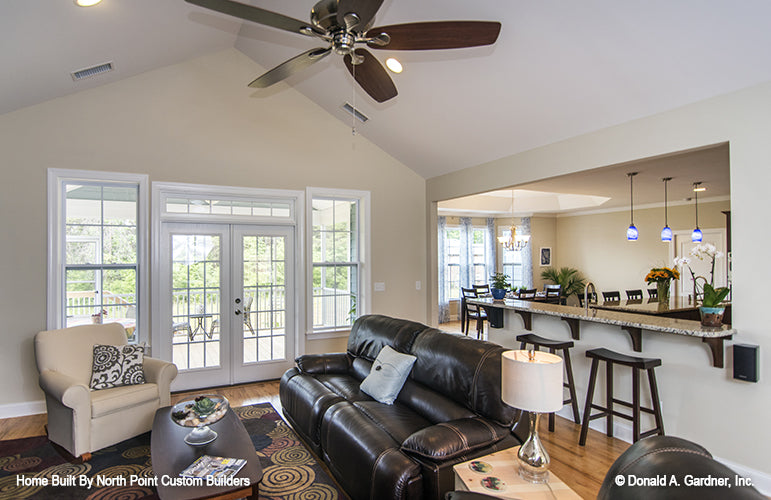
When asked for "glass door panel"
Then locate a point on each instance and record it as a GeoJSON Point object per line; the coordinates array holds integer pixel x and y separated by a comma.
{"type": "Point", "coordinates": [262, 285]}
{"type": "Point", "coordinates": [196, 300]}
{"type": "Point", "coordinates": [192, 306]}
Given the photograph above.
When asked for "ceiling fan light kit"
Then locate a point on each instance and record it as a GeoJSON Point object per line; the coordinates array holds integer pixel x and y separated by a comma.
{"type": "Point", "coordinates": [345, 25]}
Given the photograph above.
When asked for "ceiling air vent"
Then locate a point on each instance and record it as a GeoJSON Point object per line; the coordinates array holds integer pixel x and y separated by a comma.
{"type": "Point", "coordinates": [92, 71]}
{"type": "Point", "coordinates": [355, 112]}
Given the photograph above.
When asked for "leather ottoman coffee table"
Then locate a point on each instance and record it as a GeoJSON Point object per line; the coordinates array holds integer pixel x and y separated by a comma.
{"type": "Point", "coordinates": [171, 455]}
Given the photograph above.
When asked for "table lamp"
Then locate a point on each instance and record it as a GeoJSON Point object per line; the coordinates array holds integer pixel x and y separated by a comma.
{"type": "Point", "coordinates": [532, 381]}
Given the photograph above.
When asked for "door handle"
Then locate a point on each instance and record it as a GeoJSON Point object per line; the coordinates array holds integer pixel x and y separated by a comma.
{"type": "Point", "coordinates": [238, 311]}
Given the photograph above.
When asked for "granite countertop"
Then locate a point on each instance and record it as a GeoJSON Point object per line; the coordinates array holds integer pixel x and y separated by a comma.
{"type": "Point", "coordinates": [622, 319]}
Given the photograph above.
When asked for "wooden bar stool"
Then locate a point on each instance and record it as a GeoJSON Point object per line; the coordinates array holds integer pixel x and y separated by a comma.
{"type": "Point", "coordinates": [637, 364]}
{"type": "Point", "coordinates": [553, 345]}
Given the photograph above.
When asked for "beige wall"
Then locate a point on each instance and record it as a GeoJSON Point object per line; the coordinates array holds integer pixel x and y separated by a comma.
{"type": "Point", "coordinates": [701, 403]}
{"type": "Point", "coordinates": [193, 122]}
{"type": "Point", "coordinates": [597, 245]}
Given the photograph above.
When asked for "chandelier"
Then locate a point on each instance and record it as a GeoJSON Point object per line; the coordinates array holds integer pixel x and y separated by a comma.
{"type": "Point", "coordinates": [514, 241]}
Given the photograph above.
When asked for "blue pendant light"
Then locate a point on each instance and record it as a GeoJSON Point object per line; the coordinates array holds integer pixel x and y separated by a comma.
{"type": "Point", "coordinates": [631, 231]}
{"type": "Point", "coordinates": [666, 233]}
{"type": "Point", "coordinates": [696, 235]}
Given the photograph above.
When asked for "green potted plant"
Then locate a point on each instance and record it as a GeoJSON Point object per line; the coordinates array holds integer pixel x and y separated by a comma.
{"type": "Point", "coordinates": [570, 279]}
{"type": "Point", "coordinates": [499, 285]}
{"type": "Point", "coordinates": [711, 309]}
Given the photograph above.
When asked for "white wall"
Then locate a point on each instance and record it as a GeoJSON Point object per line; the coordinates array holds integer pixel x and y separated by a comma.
{"type": "Point", "coordinates": [193, 122]}
{"type": "Point", "coordinates": [728, 417]}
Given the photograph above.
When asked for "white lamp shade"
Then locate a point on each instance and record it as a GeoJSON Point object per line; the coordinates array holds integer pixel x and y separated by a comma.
{"type": "Point", "coordinates": [532, 385]}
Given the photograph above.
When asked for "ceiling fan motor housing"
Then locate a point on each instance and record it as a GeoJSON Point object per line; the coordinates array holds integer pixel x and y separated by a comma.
{"type": "Point", "coordinates": [324, 15]}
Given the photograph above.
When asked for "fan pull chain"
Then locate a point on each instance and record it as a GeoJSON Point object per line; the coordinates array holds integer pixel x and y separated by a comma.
{"type": "Point", "coordinates": [353, 97]}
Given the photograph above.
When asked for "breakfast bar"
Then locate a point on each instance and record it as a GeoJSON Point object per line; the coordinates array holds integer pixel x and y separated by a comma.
{"type": "Point", "coordinates": [632, 323]}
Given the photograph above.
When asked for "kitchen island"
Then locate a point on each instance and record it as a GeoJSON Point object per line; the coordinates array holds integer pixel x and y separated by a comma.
{"type": "Point", "coordinates": [632, 323]}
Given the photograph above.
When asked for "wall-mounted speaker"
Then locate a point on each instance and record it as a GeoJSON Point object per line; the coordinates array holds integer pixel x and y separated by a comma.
{"type": "Point", "coordinates": [746, 359]}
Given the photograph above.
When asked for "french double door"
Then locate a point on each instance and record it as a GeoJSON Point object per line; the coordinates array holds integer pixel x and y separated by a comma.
{"type": "Point", "coordinates": [227, 302]}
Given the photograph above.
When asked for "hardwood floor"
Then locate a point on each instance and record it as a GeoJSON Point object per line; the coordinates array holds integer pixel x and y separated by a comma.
{"type": "Point", "coordinates": [580, 467]}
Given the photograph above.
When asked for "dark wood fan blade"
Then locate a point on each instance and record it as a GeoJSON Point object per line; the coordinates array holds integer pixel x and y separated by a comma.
{"type": "Point", "coordinates": [290, 67]}
{"type": "Point", "coordinates": [365, 10]}
{"type": "Point", "coordinates": [371, 76]}
{"type": "Point", "coordinates": [255, 14]}
{"type": "Point", "coordinates": [437, 35]}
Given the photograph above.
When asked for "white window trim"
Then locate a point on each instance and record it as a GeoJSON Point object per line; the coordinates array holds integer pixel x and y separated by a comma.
{"type": "Point", "coordinates": [56, 238]}
{"type": "Point", "coordinates": [365, 291]}
{"type": "Point", "coordinates": [163, 190]}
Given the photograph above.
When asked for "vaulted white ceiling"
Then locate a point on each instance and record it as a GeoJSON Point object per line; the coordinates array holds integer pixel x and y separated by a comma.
{"type": "Point", "coordinates": [560, 68]}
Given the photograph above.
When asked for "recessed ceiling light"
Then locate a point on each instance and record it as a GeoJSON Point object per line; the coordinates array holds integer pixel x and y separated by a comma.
{"type": "Point", "coordinates": [86, 3]}
{"type": "Point", "coordinates": [394, 65]}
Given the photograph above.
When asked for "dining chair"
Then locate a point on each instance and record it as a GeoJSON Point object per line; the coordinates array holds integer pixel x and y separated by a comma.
{"type": "Point", "coordinates": [653, 293]}
{"type": "Point", "coordinates": [482, 289]}
{"type": "Point", "coordinates": [528, 294]}
{"type": "Point", "coordinates": [634, 294]}
{"type": "Point", "coordinates": [611, 296]}
{"type": "Point", "coordinates": [553, 293]}
{"type": "Point", "coordinates": [474, 311]}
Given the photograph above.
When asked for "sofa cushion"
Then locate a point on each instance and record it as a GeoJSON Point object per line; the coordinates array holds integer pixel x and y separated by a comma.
{"type": "Point", "coordinates": [371, 333]}
{"type": "Point", "coordinates": [397, 421]}
{"type": "Point", "coordinates": [344, 385]}
{"type": "Point", "coordinates": [117, 365]}
{"type": "Point", "coordinates": [365, 459]}
{"type": "Point", "coordinates": [387, 376]}
{"type": "Point", "coordinates": [451, 439]}
{"type": "Point", "coordinates": [465, 370]}
{"type": "Point", "coordinates": [304, 400]}
{"type": "Point", "coordinates": [107, 401]}
{"type": "Point", "coordinates": [431, 405]}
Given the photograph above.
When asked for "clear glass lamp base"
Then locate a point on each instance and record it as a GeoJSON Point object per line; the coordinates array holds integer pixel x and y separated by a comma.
{"type": "Point", "coordinates": [200, 436]}
{"type": "Point", "coordinates": [533, 459]}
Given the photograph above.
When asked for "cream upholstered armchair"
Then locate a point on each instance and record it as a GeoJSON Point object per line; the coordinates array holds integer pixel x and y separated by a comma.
{"type": "Point", "coordinates": [82, 420]}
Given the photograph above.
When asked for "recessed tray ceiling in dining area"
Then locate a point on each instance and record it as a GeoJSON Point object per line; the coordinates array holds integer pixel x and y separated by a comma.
{"type": "Point", "coordinates": [607, 188]}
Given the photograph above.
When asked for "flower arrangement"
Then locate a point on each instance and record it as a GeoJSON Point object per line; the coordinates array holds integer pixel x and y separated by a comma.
{"type": "Point", "coordinates": [658, 274]}
{"type": "Point", "coordinates": [712, 297]}
{"type": "Point", "coordinates": [662, 277]}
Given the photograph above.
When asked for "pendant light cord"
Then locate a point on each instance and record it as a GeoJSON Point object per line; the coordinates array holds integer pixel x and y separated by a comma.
{"type": "Point", "coordinates": [666, 215]}
{"type": "Point", "coordinates": [696, 194]}
{"type": "Point", "coordinates": [631, 196]}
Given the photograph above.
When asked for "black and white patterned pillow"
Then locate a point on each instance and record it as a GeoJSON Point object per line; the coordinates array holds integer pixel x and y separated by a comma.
{"type": "Point", "coordinates": [116, 365]}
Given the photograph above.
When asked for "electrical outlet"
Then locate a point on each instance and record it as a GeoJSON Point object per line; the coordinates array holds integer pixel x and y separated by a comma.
{"type": "Point", "coordinates": [418, 285]}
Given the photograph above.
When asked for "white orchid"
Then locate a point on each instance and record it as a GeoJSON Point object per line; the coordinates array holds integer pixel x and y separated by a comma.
{"type": "Point", "coordinates": [682, 261]}
{"type": "Point", "coordinates": [702, 251]}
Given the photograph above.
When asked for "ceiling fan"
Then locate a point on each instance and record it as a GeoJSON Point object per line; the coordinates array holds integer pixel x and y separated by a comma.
{"type": "Point", "coordinates": [344, 24]}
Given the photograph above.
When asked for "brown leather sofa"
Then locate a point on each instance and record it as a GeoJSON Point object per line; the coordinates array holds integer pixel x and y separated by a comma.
{"type": "Point", "coordinates": [448, 411]}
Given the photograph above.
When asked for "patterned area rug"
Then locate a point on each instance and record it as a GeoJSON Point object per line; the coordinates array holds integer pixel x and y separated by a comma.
{"type": "Point", "coordinates": [290, 471]}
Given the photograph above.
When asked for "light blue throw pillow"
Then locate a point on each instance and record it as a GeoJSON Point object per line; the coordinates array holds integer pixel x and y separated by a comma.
{"type": "Point", "coordinates": [388, 374]}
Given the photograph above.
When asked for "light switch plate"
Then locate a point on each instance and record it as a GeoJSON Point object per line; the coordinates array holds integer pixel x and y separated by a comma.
{"type": "Point", "coordinates": [380, 286]}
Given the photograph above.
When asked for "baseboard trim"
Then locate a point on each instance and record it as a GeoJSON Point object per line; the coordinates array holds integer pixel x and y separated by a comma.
{"type": "Point", "coordinates": [760, 480]}
{"type": "Point", "coordinates": [12, 410]}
